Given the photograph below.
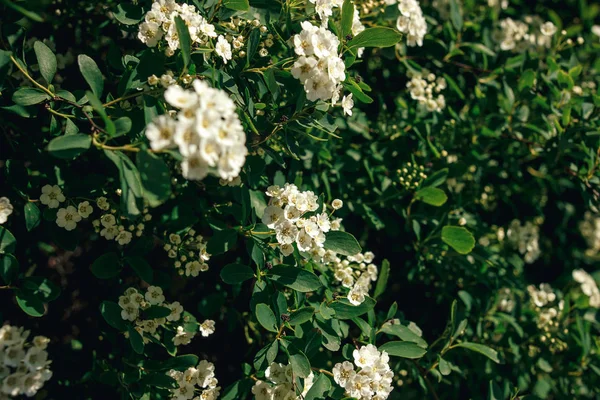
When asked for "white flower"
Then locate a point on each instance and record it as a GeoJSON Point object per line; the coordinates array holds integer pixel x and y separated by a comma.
{"type": "Point", "coordinates": [154, 295]}
{"type": "Point", "coordinates": [178, 97]}
{"type": "Point", "coordinates": [150, 33]}
{"type": "Point", "coordinates": [124, 237]}
{"type": "Point", "coordinates": [52, 196]}
{"type": "Point", "coordinates": [160, 132]}
{"type": "Point", "coordinates": [286, 249]}
{"type": "Point", "coordinates": [182, 337]}
{"type": "Point", "coordinates": [548, 29]}
{"type": "Point", "coordinates": [588, 286]}
{"type": "Point", "coordinates": [5, 209]}
{"type": "Point", "coordinates": [84, 209]}
{"type": "Point", "coordinates": [347, 104]}
{"type": "Point", "coordinates": [207, 328]}
{"type": "Point", "coordinates": [411, 22]}
{"type": "Point", "coordinates": [596, 30]}
{"type": "Point", "coordinates": [176, 310]}
{"type": "Point", "coordinates": [343, 372]}
{"type": "Point", "coordinates": [35, 359]}
{"type": "Point", "coordinates": [102, 203]}
{"type": "Point", "coordinates": [356, 295]}
{"type": "Point", "coordinates": [109, 232]}
{"type": "Point", "coordinates": [67, 218]}
{"type": "Point", "coordinates": [223, 49]}
{"type": "Point", "coordinates": [272, 216]}
{"type": "Point", "coordinates": [262, 391]}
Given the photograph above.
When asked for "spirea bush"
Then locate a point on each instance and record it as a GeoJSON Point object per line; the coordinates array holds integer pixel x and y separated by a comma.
{"type": "Point", "coordinates": [299, 199]}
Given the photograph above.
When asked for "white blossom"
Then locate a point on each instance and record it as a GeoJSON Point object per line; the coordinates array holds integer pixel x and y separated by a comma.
{"type": "Point", "coordinates": [207, 132]}
{"type": "Point", "coordinates": [5, 209]}
{"type": "Point", "coordinates": [68, 218]}
{"type": "Point", "coordinates": [411, 22]}
{"type": "Point", "coordinates": [52, 196]}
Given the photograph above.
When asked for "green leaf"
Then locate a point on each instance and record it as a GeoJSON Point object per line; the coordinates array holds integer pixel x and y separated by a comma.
{"type": "Point", "coordinates": [141, 268]}
{"type": "Point", "coordinates": [480, 348]}
{"type": "Point", "coordinates": [106, 266]}
{"type": "Point", "coordinates": [185, 42]}
{"type": "Point", "coordinates": [526, 80]}
{"type": "Point", "coordinates": [29, 14]}
{"type": "Point", "coordinates": [129, 14]}
{"type": "Point", "coordinates": [91, 73]}
{"type": "Point", "coordinates": [160, 381]}
{"type": "Point", "coordinates": [403, 349]}
{"type": "Point", "coordinates": [111, 312]}
{"type": "Point", "coordinates": [41, 287]}
{"type": "Point", "coordinates": [154, 312]}
{"type": "Point", "coordinates": [345, 310]}
{"type": "Point", "coordinates": [299, 361]}
{"type": "Point", "coordinates": [8, 243]}
{"type": "Point", "coordinates": [382, 279]}
{"type": "Point", "coordinates": [565, 80]}
{"type": "Point", "coordinates": [135, 339]}
{"type": "Point", "coordinates": [375, 37]}
{"type": "Point", "coordinates": [131, 184]}
{"type": "Point", "coordinates": [30, 303]}
{"type": "Point", "coordinates": [99, 108]}
{"type": "Point", "coordinates": [294, 277]}
{"type": "Point", "coordinates": [431, 195]}
{"type": "Point", "coordinates": [266, 317]}
{"type": "Point", "coordinates": [347, 17]}
{"type": "Point", "coordinates": [239, 5]}
{"type": "Point", "coordinates": [455, 15]}
{"type": "Point", "coordinates": [33, 216]}
{"type": "Point", "coordinates": [221, 242]}
{"type": "Point", "coordinates": [319, 388]}
{"type": "Point", "coordinates": [9, 268]}
{"type": "Point", "coordinates": [26, 96]}
{"type": "Point", "coordinates": [301, 316]}
{"type": "Point", "coordinates": [342, 243]}
{"type": "Point", "coordinates": [180, 363]}
{"type": "Point", "coordinates": [236, 273]}
{"type": "Point", "coordinates": [156, 178]}
{"type": "Point", "coordinates": [403, 333]}
{"type": "Point", "coordinates": [122, 126]}
{"type": "Point", "coordinates": [459, 238]}
{"type": "Point", "coordinates": [444, 366]}
{"type": "Point", "coordinates": [46, 61]}
{"type": "Point", "coordinates": [69, 146]}
{"type": "Point", "coordinates": [253, 42]}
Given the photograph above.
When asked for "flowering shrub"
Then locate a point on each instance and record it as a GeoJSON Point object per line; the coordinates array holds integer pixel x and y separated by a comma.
{"type": "Point", "coordinates": [300, 199]}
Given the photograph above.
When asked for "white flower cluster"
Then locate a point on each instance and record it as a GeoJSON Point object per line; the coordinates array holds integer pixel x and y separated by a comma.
{"type": "Point", "coordinates": [111, 227]}
{"type": "Point", "coordinates": [525, 238]}
{"type": "Point", "coordinates": [588, 286]}
{"type": "Point", "coordinates": [286, 214]}
{"type": "Point", "coordinates": [542, 298]}
{"type": "Point", "coordinates": [197, 383]}
{"type": "Point", "coordinates": [133, 304]}
{"type": "Point", "coordinates": [189, 253]}
{"type": "Point", "coordinates": [519, 36]}
{"type": "Point", "coordinates": [24, 366]}
{"type": "Point", "coordinates": [5, 209]}
{"type": "Point", "coordinates": [411, 22]}
{"type": "Point", "coordinates": [355, 273]}
{"type": "Point", "coordinates": [424, 86]}
{"type": "Point", "coordinates": [374, 378]}
{"type": "Point", "coordinates": [280, 385]}
{"type": "Point", "coordinates": [319, 66]}
{"type": "Point", "coordinates": [159, 22]}
{"type": "Point", "coordinates": [590, 230]}
{"type": "Point", "coordinates": [207, 131]}
{"type": "Point", "coordinates": [506, 301]}
{"type": "Point", "coordinates": [325, 8]}
{"type": "Point", "coordinates": [66, 217]}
